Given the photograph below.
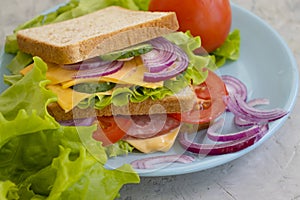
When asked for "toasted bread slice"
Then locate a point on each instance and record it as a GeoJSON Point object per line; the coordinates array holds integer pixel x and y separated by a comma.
{"type": "Point", "coordinates": [181, 102]}
{"type": "Point", "coordinates": [101, 32]}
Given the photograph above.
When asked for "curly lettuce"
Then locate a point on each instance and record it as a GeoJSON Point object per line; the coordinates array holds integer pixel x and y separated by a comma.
{"type": "Point", "coordinates": [40, 159]}
{"type": "Point", "coordinates": [8, 191]}
{"type": "Point", "coordinates": [230, 49]}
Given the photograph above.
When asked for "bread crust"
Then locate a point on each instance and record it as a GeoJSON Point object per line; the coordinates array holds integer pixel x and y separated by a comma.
{"type": "Point", "coordinates": [182, 102]}
{"type": "Point", "coordinates": [94, 34]}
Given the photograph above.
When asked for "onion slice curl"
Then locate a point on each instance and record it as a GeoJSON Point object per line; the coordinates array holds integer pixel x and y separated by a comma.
{"type": "Point", "coordinates": [216, 126]}
{"type": "Point", "coordinates": [224, 147]}
{"type": "Point", "coordinates": [254, 102]}
{"type": "Point", "coordinates": [87, 64]}
{"type": "Point", "coordinates": [149, 163]}
{"type": "Point", "coordinates": [102, 70]}
{"type": "Point", "coordinates": [235, 86]}
{"type": "Point", "coordinates": [161, 57]}
{"type": "Point", "coordinates": [171, 65]}
{"type": "Point", "coordinates": [241, 109]}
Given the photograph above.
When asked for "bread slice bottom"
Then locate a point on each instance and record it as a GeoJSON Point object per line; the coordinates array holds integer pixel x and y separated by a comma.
{"type": "Point", "coordinates": [181, 102]}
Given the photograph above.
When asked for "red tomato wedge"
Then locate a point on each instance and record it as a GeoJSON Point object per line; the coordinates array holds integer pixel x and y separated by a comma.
{"type": "Point", "coordinates": [210, 100]}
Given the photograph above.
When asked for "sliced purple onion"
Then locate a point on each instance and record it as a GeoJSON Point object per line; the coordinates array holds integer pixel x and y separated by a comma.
{"type": "Point", "coordinates": [221, 147]}
{"type": "Point", "coordinates": [103, 70]}
{"type": "Point", "coordinates": [158, 60]}
{"type": "Point", "coordinates": [87, 64]}
{"type": "Point", "coordinates": [78, 122]}
{"type": "Point", "coordinates": [161, 57]}
{"type": "Point", "coordinates": [258, 101]}
{"type": "Point", "coordinates": [216, 126]}
{"type": "Point", "coordinates": [149, 163]}
{"type": "Point", "coordinates": [235, 86]}
{"type": "Point", "coordinates": [241, 109]}
{"type": "Point", "coordinates": [169, 64]}
{"type": "Point", "coordinates": [254, 102]}
{"type": "Point", "coordinates": [176, 68]}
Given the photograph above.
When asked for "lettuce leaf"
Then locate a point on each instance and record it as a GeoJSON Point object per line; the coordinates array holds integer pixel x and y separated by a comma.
{"type": "Point", "coordinates": [230, 49]}
{"type": "Point", "coordinates": [20, 61]}
{"type": "Point", "coordinates": [188, 43]}
{"type": "Point", "coordinates": [79, 178]}
{"type": "Point", "coordinates": [40, 159]}
{"type": "Point", "coordinates": [19, 107]}
{"type": "Point", "coordinates": [119, 148]}
{"type": "Point", "coordinates": [142, 4]}
{"type": "Point", "coordinates": [123, 95]}
{"type": "Point", "coordinates": [8, 191]}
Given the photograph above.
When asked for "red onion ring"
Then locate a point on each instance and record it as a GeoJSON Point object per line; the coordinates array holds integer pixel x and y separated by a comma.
{"type": "Point", "coordinates": [169, 68]}
{"type": "Point", "coordinates": [87, 64]}
{"type": "Point", "coordinates": [235, 86]}
{"type": "Point", "coordinates": [241, 109]}
{"type": "Point", "coordinates": [214, 136]}
{"type": "Point", "coordinates": [254, 102]}
{"type": "Point", "coordinates": [161, 57]}
{"type": "Point", "coordinates": [103, 70]}
{"type": "Point", "coordinates": [224, 147]}
{"type": "Point", "coordinates": [149, 163]}
{"type": "Point", "coordinates": [176, 68]}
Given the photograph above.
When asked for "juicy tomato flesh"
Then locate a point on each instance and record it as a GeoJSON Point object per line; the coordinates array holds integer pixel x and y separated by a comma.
{"type": "Point", "coordinates": [210, 96]}
{"type": "Point", "coordinates": [109, 129]}
{"type": "Point", "coordinates": [114, 128]}
{"type": "Point", "coordinates": [146, 126]}
{"type": "Point", "coordinates": [209, 19]}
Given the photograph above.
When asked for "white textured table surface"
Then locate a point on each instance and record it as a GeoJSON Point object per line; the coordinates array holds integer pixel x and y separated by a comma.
{"type": "Point", "coordinates": [269, 172]}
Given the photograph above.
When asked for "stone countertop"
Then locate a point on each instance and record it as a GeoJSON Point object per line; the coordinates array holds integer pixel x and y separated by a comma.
{"type": "Point", "coordinates": [271, 171]}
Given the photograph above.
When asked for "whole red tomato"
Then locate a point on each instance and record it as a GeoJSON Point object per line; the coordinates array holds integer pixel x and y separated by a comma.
{"type": "Point", "coordinates": [209, 19]}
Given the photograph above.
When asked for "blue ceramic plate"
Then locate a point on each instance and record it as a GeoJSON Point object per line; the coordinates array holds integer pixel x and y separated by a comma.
{"type": "Point", "coordinates": [266, 66]}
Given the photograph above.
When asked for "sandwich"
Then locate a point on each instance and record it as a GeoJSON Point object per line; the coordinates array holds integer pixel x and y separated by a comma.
{"type": "Point", "coordinates": [127, 71]}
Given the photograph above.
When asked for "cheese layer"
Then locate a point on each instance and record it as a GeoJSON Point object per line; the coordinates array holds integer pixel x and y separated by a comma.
{"type": "Point", "coordinates": [62, 80]}
{"type": "Point", "coordinates": [160, 143]}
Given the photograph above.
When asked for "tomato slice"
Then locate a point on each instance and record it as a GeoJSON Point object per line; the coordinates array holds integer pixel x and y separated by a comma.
{"type": "Point", "coordinates": [147, 126]}
{"type": "Point", "coordinates": [111, 129]}
{"type": "Point", "coordinates": [210, 96]}
{"type": "Point", "coordinates": [114, 128]}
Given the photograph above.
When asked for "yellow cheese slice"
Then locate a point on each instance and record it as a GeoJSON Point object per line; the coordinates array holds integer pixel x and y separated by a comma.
{"type": "Point", "coordinates": [131, 73]}
{"type": "Point", "coordinates": [55, 73]}
{"type": "Point", "coordinates": [61, 79]}
{"type": "Point", "coordinates": [68, 98]}
{"type": "Point", "coordinates": [160, 143]}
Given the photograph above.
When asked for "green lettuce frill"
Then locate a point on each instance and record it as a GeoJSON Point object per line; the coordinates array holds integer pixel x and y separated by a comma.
{"type": "Point", "coordinates": [39, 159]}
